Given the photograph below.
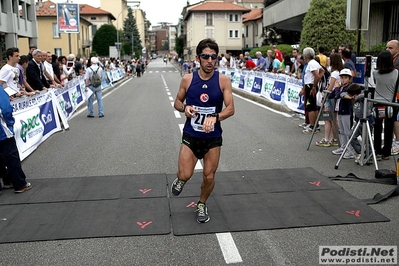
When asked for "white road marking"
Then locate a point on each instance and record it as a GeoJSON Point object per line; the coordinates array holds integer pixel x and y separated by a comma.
{"type": "Point", "coordinates": [229, 248]}
{"type": "Point", "coordinates": [168, 93]}
{"type": "Point", "coordinates": [173, 104]}
{"type": "Point", "coordinates": [171, 98]}
{"type": "Point", "coordinates": [177, 114]}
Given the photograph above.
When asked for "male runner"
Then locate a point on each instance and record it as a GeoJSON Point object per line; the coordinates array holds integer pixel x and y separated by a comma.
{"type": "Point", "coordinates": [204, 91]}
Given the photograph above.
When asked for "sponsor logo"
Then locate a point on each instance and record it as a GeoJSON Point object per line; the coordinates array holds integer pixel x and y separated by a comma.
{"type": "Point", "coordinates": [30, 128]}
{"type": "Point", "coordinates": [204, 97]}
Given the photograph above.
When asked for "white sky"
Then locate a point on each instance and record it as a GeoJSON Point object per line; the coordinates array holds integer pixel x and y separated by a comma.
{"type": "Point", "coordinates": [156, 10]}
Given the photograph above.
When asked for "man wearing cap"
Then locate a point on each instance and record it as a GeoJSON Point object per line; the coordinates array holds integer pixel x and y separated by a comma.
{"type": "Point", "coordinates": [94, 68]}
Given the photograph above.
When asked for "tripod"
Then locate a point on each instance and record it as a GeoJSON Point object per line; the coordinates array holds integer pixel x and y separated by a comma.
{"type": "Point", "coordinates": [366, 136]}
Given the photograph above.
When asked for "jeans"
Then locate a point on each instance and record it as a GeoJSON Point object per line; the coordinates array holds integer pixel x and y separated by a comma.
{"type": "Point", "coordinates": [99, 96]}
{"type": "Point", "coordinates": [9, 157]}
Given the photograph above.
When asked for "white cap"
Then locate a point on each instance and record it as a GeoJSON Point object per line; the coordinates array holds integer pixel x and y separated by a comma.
{"type": "Point", "coordinates": [94, 60]}
{"type": "Point", "coordinates": [345, 72]}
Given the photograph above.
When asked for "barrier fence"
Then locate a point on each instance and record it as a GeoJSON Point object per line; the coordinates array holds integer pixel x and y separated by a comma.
{"type": "Point", "coordinates": [38, 117]}
{"type": "Point", "coordinates": [281, 88]}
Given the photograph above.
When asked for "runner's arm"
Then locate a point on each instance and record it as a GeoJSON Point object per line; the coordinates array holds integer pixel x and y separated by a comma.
{"type": "Point", "coordinates": [225, 84]}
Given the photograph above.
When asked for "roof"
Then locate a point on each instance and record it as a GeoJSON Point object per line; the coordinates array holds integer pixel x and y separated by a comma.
{"type": "Point", "coordinates": [216, 6]}
{"type": "Point", "coordinates": [255, 14]}
{"type": "Point", "coordinates": [49, 9]}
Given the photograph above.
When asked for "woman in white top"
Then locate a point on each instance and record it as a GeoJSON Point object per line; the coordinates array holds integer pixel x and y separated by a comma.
{"type": "Point", "coordinates": [329, 107]}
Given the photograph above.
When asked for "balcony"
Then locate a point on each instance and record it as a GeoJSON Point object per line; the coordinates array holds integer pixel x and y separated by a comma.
{"type": "Point", "coordinates": [86, 43]}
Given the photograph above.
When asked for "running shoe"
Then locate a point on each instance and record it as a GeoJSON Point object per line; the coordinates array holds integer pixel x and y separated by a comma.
{"type": "Point", "coordinates": [202, 215]}
{"type": "Point", "coordinates": [177, 186]}
{"type": "Point", "coordinates": [334, 142]}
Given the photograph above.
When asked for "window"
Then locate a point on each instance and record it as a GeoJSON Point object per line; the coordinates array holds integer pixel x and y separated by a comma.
{"type": "Point", "coordinates": [93, 29]}
{"type": "Point", "coordinates": [56, 33]}
{"type": "Point", "coordinates": [233, 17]}
{"type": "Point", "coordinates": [256, 30]}
{"type": "Point", "coordinates": [58, 51]}
{"type": "Point", "coordinates": [93, 18]}
{"type": "Point", "coordinates": [209, 33]}
{"type": "Point", "coordinates": [246, 31]}
{"type": "Point", "coordinates": [233, 33]}
{"type": "Point", "coordinates": [209, 19]}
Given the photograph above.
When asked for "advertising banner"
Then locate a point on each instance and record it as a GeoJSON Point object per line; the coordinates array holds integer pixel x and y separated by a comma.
{"type": "Point", "coordinates": [68, 18]}
{"type": "Point", "coordinates": [36, 119]}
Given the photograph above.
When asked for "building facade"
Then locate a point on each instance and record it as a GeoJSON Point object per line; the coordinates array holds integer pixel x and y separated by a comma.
{"type": "Point", "coordinates": [221, 21]}
{"type": "Point", "coordinates": [17, 20]}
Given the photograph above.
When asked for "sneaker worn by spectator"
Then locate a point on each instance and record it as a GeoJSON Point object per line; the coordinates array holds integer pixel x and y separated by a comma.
{"type": "Point", "coordinates": [303, 125]}
{"type": "Point", "coordinates": [308, 130]}
{"type": "Point", "coordinates": [380, 157]}
{"type": "Point", "coordinates": [334, 142]}
{"type": "Point", "coordinates": [348, 155]}
{"type": "Point", "coordinates": [338, 151]}
{"type": "Point", "coordinates": [202, 215]}
{"type": "Point", "coordinates": [25, 188]}
{"type": "Point", "coordinates": [177, 186]}
{"type": "Point", "coordinates": [323, 143]}
{"type": "Point", "coordinates": [395, 148]}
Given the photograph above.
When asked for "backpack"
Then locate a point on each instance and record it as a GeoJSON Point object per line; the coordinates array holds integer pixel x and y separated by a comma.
{"type": "Point", "coordinates": [95, 79]}
{"type": "Point", "coordinates": [325, 79]}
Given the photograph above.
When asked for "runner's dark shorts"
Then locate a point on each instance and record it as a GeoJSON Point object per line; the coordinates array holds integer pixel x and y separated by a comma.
{"type": "Point", "coordinates": [200, 146]}
{"type": "Point", "coordinates": [310, 103]}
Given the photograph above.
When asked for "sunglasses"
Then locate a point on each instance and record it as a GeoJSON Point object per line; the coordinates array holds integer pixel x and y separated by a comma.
{"type": "Point", "coordinates": [206, 56]}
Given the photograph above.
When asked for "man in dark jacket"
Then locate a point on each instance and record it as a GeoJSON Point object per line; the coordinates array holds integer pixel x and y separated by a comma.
{"type": "Point", "coordinates": [34, 72]}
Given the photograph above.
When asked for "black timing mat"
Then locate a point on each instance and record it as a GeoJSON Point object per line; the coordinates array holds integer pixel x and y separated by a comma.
{"type": "Point", "coordinates": [131, 205]}
{"type": "Point", "coordinates": [268, 199]}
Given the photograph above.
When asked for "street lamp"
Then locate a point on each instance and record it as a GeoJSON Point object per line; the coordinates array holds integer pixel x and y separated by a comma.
{"type": "Point", "coordinates": [118, 44]}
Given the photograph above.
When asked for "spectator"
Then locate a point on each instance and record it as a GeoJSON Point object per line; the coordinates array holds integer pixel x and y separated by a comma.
{"type": "Point", "coordinates": [385, 76]}
{"type": "Point", "coordinates": [287, 65]}
{"type": "Point", "coordinates": [344, 113]}
{"type": "Point", "coordinates": [261, 63]}
{"type": "Point", "coordinates": [322, 57]}
{"type": "Point", "coordinates": [78, 66]}
{"type": "Point", "coordinates": [353, 56]}
{"type": "Point", "coordinates": [9, 73]}
{"type": "Point", "coordinates": [348, 63]}
{"type": "Point", "coordinates": [275, 63]}
{"type": "Point", "coordinates": [311, 78]}
{"type": "Point", "coordinates": [329, 107]}
{"type": "Point", "coordinates": [34, 72]}
{"type": "Point", "coordinates": [55, 66]}
{"type": "Point", "coordinates": [248, 56]}
{"type": "Point", "coordinates": [393, 48]}
{"type": "Point", "coordinates": [22, 65]}
{"type": "Point", "coordinates": [48, 70]}
{"type": "Point", "coordinates": [223, 61]}
{"type": "Point", "coordinates": [277, 53]}
{"type": "Point", "coordinates": [295, 59]}
{"type": "Point", "coordinates": [32, 47]}
{"type": "Point", "coordinates": [249, 64]}
{"type": "Point", "coordinates": [14, 176]}
{"type": "Point", "coordinates": [97, 91]}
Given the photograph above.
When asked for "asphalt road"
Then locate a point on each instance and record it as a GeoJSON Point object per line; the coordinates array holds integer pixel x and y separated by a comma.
{"type": "Point", "coordinates": [140, 134]}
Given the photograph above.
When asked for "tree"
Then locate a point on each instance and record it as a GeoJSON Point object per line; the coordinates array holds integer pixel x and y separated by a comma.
{"type": "Point", "coordinates": [324, 25]}
{"type": "Point", "coordinates": [131, 35]}
{"type": "Point", "coordinates": [104, 38]}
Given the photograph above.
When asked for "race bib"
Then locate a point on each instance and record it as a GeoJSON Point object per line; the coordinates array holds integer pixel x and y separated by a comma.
{"type": "Point", "coordinates": [197, 122]}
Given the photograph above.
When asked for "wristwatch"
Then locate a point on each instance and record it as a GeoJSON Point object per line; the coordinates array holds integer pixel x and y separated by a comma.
{"type": "Point", "coordinates": [215, 115]}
